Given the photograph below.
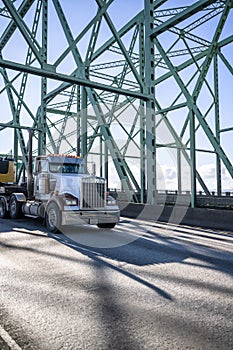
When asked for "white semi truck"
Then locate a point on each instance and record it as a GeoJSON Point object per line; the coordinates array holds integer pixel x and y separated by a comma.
{"type": "Point", "coordinates": [59, 191]}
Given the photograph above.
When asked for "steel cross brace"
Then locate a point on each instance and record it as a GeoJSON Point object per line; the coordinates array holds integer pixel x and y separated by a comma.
{"type": "Point", "coordinates": [24, 7]}
{"type": "Point", "coordinates": [15, 119]}
{"type": "Point", "coordinates": [121, 45]}
{"type": "Point", "coordinates": [32, 43]}
{"type": "Point", "coordinates": [193, 107]}
{"type": "Point", "coordinates": [190, 10]}
{"type": "Point", "coordinates": [120, 164]}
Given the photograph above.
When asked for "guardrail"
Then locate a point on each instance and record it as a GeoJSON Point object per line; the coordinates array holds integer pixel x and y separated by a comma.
{"type": "Point", "coordinates": [182, 198]}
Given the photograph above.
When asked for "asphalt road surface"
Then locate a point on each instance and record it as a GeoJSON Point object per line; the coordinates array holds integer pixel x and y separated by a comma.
{"type": "Point", "coordinates": [142, 285]}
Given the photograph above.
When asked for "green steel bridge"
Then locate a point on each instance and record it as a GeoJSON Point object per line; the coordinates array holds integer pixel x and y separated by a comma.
{"type": "Point", "coordinates": [141, 88]}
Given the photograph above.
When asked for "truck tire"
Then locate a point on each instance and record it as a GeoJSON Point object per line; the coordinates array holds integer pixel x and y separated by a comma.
{"type": "Point", "coordinates": [15, 208]}
{"type": "Point", "coordinates": [53, 218]}
{"type": "Point", "coordinates": [107, 225]}
{"type": "Point", "coordinates": [3, 211]}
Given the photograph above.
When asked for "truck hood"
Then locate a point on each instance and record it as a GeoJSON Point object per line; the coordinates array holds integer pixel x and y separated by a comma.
{"type": "Point", "coordinates": [69, 183]}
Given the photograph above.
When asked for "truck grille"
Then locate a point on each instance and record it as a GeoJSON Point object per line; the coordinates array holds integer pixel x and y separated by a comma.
{"type": "Point", "coordinates": [93, 193]}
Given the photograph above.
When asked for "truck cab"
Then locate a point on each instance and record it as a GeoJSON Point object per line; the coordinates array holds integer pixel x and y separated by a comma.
{"type": "Point", "coordinates": [65, 194]}
{"type": "Point", "coordinates": [53, 171]}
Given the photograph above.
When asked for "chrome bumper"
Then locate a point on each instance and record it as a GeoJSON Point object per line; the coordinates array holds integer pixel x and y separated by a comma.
{"type": "Point", "coordinates": [90, 217]}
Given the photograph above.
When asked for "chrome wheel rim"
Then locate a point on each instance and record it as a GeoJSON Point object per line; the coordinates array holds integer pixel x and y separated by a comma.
{"type": "Point", "coordinates": [1, 208]}
{"type": "Point", "coordinates": [13, 206]}
{"type": "Point", "coordinates": [52, 217]}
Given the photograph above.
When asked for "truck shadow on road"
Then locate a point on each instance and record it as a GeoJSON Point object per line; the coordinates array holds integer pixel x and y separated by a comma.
{"type": "Point", "coordinates": [108, 257]}
{"type": "Point", "coordinates": [147, 246]}
{"type": "Point", "coordinates": [151, 248]}
{"type": "Point", "coordinates": [130, 243]}
{"type": "Point", "coordinates": [120, 254]}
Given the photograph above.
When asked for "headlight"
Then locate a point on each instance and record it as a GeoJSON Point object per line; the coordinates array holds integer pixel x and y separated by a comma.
{"type": "Point", "coordinates": [111, 200]}
{"type": "Point", "coordinates": [70, 200]}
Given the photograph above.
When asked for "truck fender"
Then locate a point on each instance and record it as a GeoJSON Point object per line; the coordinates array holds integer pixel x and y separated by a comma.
{"type": "Point", "coordinates": [20, 197]}
{"type": "Point", "coordinates": [55, 199]}
{"type": "Point", "coordinates": [15, 204]}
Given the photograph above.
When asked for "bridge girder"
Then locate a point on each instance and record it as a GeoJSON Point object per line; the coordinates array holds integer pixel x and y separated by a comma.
{"type": "Point", "coordinates": [145, 99]}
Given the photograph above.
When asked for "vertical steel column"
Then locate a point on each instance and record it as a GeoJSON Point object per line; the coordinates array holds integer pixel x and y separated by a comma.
{"type": "Point", "coordinates": [16, 148]}
{"type": "Point", "coordinates": [101, 156]}
{"type": "Point", "coordinates": [42, 115]}
{"type": "Point", "coordinates": [150, 103]}
{"type": "Point", "coordinates": [142, 116]}
{"type": "Point", "coordinates": [84, 124]}
{"type": "Point", "coordinates": [78, 149]}
{"type": "Point", "coordinates": [217, 124]}
{"type": "Point", "coordinates": [179, 174]}
{"type": "Point", "coordinates": [29, 169]}
{"type": "Point", "coordinates": [18, 134]}
{"type": "Point", "coordinates": [193, 159]}
{"type": "Point", "coordinates": [106, 162]}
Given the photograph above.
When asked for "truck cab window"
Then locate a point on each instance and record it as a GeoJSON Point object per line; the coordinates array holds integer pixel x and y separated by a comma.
{"type": "Point", "coordinates": [66, 168]}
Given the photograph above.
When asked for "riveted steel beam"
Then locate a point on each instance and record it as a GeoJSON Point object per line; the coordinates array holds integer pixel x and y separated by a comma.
{"type": "Point", "coordinates": [50, 74]}
{"type": "Point", "coordinates": [189, 11]}
{"type": "Point", "coordinates": [8, 32]}
{"type": "Point", "coordinates": [193, 107]}
{"type": "Point", "coordinates": [33, 44]}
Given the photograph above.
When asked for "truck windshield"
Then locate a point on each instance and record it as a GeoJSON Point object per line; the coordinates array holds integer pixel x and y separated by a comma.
{"type": "Point", "coordinates": [66, 168]}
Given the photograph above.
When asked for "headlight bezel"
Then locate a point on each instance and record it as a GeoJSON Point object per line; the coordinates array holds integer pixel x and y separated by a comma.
{"type": "Point", "coordinates": [70, 200]}
{"type": "Point", "coordinates": [110, 201]}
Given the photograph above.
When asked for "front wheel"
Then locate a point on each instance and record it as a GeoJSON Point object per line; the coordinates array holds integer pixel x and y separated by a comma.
{"type": "Point", "coordinates": [53, 217]}
{"type": "Point", "coordinates": [3, 210]}
{"type": "Point", "coordinates": [107, 225]}
{"type": "Point", "coordinates": [15, 208]}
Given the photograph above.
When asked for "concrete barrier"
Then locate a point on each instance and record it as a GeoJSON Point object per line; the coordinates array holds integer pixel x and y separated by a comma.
{"type": "Point", "coordinates": [208, 218]}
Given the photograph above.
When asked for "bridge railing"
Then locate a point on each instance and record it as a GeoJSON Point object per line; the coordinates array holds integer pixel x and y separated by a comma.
{"type": "Point", "coordinates": [182, 198]}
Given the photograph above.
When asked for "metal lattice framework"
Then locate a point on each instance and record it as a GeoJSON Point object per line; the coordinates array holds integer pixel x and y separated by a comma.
{"type": "Point", "coordinates": [137, 94]}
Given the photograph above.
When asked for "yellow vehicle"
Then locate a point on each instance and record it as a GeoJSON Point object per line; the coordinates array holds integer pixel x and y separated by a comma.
{"type": "Point", "coordinates": [7, 170]}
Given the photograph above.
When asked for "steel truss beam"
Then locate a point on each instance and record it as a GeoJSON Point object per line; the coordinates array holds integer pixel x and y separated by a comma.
{"type": "Point", "coordinates": [186, 13]}
{"type": "Point", "coordinates": [111, 93]}
{"type": "Point", "coordinates": [34, 46]}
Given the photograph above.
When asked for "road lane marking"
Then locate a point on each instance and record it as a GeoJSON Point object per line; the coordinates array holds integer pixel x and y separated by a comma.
{"type": "Point", "coordinates": [10, 342]}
